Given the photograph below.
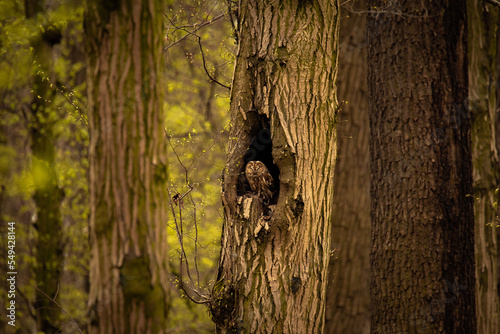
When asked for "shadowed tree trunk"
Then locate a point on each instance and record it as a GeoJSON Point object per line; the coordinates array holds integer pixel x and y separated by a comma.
{"type": "Point", "coordinates": [47, 194]}
{"type": "Point", "coordinates": [349, 272]}
{"type": "Point", "coordinates": [128, 268]}
{"type": "Point", "coordinates": [16, 207]}
{"type": "Point", "coordinates": [497, 140]}
{"type": "Point", "coordinates": [483, 30]}
{"type": "Point", "coordinates": [275, 251]}
{"type": "Point", "coordinates": [422, 256]}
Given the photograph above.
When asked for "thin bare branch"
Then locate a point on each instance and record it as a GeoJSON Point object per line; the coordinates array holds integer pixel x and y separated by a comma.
{"type": "Point", "coordinates": [58, 305]}
{"type": "Point", "coordinates": [205, 66]}
{"type": "Point", "coordinates": [183, 258]}
{"type": "Point", "coordinates": [177, 156]}
{"type": "Point", "coordinates": [192, 33]}
{"type": "Point", "coordinates": [195, 220]}
{"type": "Point", "coordinates": [192, 289]}
{"type": "Point", "coordinates": [189, 33]}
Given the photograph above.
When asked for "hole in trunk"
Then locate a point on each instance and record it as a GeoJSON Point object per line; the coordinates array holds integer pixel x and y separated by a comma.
{"type": "Point", "coordinates": [260, 149]}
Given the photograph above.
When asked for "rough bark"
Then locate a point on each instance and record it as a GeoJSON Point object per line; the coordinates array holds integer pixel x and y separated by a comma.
{"type": "Point", "coordinates": [497, 140]}
{"type": "Point", "coordinates": [274, 257]}
{"type": "Point", "coordinates": [422, 256]}
{"type": "Point", "coordinates": [483, 30]}
{"type": "Point", "coordinates": [348, 294]}
{"type": "Point", "coordinates": [47, 193]}
{"type": "Point", "coordinates": [128, 268]}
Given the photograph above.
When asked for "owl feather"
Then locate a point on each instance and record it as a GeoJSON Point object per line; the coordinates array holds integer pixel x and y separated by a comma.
{"type": "Point", "coordinates": [260, 180]}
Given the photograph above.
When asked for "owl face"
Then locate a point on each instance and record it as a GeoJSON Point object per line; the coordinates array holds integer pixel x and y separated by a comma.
{"type": "Point", "coordinates": [260, 180]}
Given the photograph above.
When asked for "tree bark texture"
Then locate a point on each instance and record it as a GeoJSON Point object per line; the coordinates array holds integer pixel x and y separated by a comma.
{"type": "Point", "coordinates": [47, 193]}
{"type": "Point", "coordinates": [128, 267]}
{"type": "Point", "coordinates": [422, 255]}
{"type": "Point", "coordinates": [348, 295]}
{"type": "Point", "coordinates": [497, 140]}
{"type": "Point", "coordinates": [274, 257]}
{"type": "Point", "coordinates": [483, 37]}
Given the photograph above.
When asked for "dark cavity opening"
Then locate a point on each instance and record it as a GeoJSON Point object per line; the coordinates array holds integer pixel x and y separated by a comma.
{"type": "Point", "coordinates": [260, 149]}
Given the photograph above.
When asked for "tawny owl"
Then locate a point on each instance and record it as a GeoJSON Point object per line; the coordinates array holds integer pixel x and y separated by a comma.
{"type": "Point", "coordinates": [260, 180]}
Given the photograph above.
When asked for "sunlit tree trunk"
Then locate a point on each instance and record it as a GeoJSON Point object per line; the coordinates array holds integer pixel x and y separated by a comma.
{"type": "Point", "coordinates": [349, 280]}
{"type": "Point", "coordinates": [422, 255]}
{"type": "Point", "coordinates": [483, 30]}
{"type": "Point", "coordinates": [47, 193]}
{"type": "Point", "coordinates": [274, 257]}
{"type": "Point", "coordinates": [128, 268]}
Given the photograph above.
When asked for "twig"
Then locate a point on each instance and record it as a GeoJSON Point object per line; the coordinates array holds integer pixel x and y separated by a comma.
{"type": "Point", "coordinates": [177, 198]}
{"type": "Point", "coordinates": [192, 33]}
{"type": "Point", "coordinates": [195, 243]}
{"type": "Point", "coordinates": [177, 156]}
{"type": "Point", "coordinates": [81, 117]}
{"type": "Point", "coordinates": [28, 304]}
{"type": "Point", "coordinates": [58, 305]}
{"type": "Point", "coordinates": [205, 66]}
{"type": "Point", "coordinates": [191, 291]}
{"type": "Point", "coordinates": [178, 228]}
{"type": "Point", "coordinates": [189, 33]}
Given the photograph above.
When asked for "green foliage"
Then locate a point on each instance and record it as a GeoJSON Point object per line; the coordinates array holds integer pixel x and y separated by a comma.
{"type": "Point", "coordinates": [196, 124]}
{"type": "Point", "coordinates": [17, 69]}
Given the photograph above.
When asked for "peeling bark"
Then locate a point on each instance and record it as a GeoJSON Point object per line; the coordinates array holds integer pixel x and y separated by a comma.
{"type": "Point", "coordinates": [274, 258]}
{"type": "Point", "coordinates": [422, 255]}
{"type": "Point", "coordinates": [128, 268]}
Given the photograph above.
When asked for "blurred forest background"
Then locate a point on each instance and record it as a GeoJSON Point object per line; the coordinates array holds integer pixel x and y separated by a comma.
{"type": "Point", "coordinates": [37, 149]}
{"type": "Point", "coordinates": [198, 40]}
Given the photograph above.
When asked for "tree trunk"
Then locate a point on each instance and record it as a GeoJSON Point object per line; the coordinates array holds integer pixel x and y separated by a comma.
{"type": "Point", "coordinates": [47, 193]}
{"type": "Point", "coordinates": [483, 29]}
{"type": "Point", "coordinates": [128, 268]}
{"type": "Point", "coordinates": [422, 256]}
{"type": "Point", "coordinates": [348, 294]}
{"type": "Point", "coordinates": [16, 207]}
{"type": "Point", "coordinates": [497, 141]}
{"type": "Point", "coordinates": [275, 251]}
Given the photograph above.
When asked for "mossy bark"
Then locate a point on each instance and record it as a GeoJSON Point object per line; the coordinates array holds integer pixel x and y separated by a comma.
{"type": "Point", "coordinates": [483, 64]}
{"type": "Point", "coordinates": [274, 257]}
{"type": "Point", "coordinates": [47, 193]}
{"type": "Point", "coordinates": [128, 268]}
